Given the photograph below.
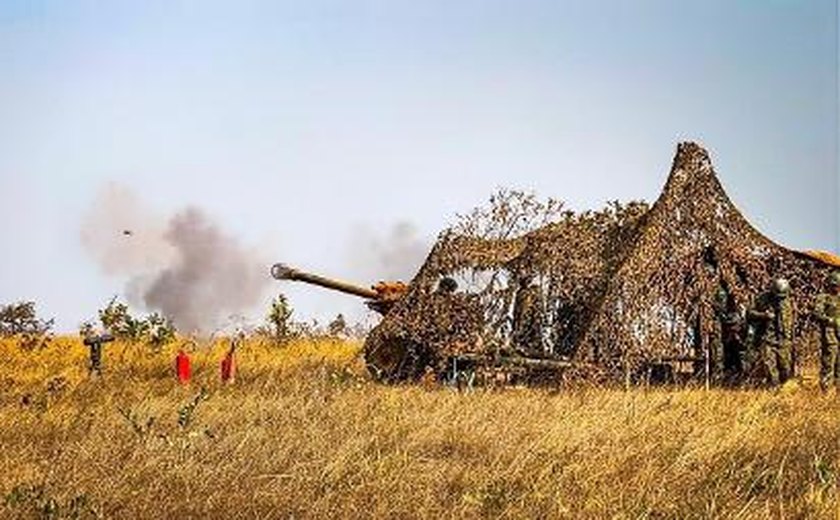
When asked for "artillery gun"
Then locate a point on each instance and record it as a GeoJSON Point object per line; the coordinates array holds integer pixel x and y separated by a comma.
{"type": "Point", "coordinates": [380, 297]}
{"type": "Point", "coordinates": [383, 358]}
{"type": "Point", "coordinates": [448, 321]}
{"type": "Point", "coordinates": [624, 294]}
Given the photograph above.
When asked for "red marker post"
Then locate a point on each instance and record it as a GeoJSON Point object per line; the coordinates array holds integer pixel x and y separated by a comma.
{"type": "Point", "coordinates": [182, 367]}
{"type": "Point", "coordinates": [229, 365]}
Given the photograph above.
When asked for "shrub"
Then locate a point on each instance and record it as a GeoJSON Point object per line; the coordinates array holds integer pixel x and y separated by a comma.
{"type": "Point", "coordinates": [155, 330]}
{"type": "Point", "coordinates": [20, 319]}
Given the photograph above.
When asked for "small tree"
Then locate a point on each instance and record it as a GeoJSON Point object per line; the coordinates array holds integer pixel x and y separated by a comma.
{"type": "Point", "coordinates": [280, 319]}
{"type": "Point", "coordinates": [116, 319]}
{"type": "Point", "coordinates": [510, 213]}
{"type": "Point", "coordinates": [338, 326]}
{"type": "Point", "coordinates": [20, 319]}
{"type": "Point", "coordinates": [162, 330]}
{"type": "Point", "coordinates": [154, 329]}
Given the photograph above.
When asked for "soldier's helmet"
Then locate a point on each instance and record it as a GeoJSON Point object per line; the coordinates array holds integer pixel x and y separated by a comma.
{"type": "Point", "coordinates": [447, 284]}
{"type": "Point", "coordinates": [721, 297]}
{"type": "Point", "coordinates": [781, 287]}
{"type": "Point", "coordinates": [834, 279]}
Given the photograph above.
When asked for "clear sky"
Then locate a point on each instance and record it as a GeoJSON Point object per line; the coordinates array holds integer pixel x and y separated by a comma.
{"type": "Point", "coordinates": [311, 129]}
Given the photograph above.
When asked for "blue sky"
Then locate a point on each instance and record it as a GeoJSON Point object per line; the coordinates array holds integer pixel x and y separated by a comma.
{"type": "Point", "coordinates": [311, 129]}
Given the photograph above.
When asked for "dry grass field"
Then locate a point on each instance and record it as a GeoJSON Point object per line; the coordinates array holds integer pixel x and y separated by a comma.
{"type": "Point", "coordinates": [302, 433]}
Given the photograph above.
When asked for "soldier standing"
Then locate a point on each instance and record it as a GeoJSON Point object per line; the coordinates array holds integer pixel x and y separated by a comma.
{"type": "Point", "coordinates": [716, 341]}
{"type": "Point", "coordinates": [725, 344]}
{"type": "Point", "coordinates": [95, 342]}
{"type": "Point", "coordinates": [773, 318]}
{"type": "Point", "coordinates": [527, 323]}
{"type": "Point", "coordinates": [827, 314]}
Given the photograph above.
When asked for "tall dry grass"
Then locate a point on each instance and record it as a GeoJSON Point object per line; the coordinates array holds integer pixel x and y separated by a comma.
{"type": "Point", "coordinates": [303, 433]}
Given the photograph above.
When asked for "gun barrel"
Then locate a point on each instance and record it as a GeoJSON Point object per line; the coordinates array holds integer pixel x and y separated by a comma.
{"type": "Point", "coordinates": [284, 272]}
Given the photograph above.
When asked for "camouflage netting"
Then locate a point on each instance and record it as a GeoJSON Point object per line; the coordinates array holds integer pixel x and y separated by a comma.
{"type": "Point", "coordinates": [618, 289]}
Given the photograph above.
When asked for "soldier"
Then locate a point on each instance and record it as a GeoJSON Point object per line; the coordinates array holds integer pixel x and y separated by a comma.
{"type": "Point", "coordinates": [773, 322]}
{"type": "Point", "coordinates": [827, 315]}
{"type": "Point", "coordinates": [527, 318]}
{"type": "Point", "coordinates": [445, 304]}
{"type": "Point", "coordinates": [725, 343]}
{"type": "Point", "coordinates": [716, 341]}
{"type": "Point", "coordinates": [452, 326]}
{"type": "Point", "coordinates": [95, 342]}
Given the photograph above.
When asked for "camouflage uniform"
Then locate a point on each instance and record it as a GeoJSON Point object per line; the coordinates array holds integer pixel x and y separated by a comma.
{"type": "Point", "coordinates": [94, 343]}
{"type": "Point", "coordinates": [725, 344]}
{"type": "Point", "coordinates": [827, 314]}
{"type": "Point", "coordinates": [95, 358]}
{"type": "Point", "coordinates": [527, 318]}
{"type": "Point", "coordinates": [773, 320]}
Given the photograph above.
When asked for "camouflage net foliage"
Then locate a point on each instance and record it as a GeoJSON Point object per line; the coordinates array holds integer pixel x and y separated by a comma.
{"type": "Point", "coordinates": [617, 289]}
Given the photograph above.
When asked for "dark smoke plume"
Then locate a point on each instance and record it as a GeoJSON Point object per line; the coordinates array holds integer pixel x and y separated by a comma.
{"type": "Point", "coordinates": [213, 276]}
{"type": "Point", "coordinates": [186, 268]}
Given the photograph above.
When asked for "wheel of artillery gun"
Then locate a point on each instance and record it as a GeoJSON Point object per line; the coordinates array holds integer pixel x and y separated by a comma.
{"type": "Point", "coordinates": [393, 359]}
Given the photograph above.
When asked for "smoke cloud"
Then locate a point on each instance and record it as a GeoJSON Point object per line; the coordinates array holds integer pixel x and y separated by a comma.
{"type": "Point", "coordinates": [214, 276]}
{"type": "Point", "coordinates": [124, 235]}
{"type": "Point", "coordinates": [185, 266]}
{"type": "Point", "coordinates": [395, 256]}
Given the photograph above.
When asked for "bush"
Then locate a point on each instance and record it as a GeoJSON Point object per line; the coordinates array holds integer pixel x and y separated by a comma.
{"type": "Point", "coordinates": [154, 329]}
{"type": "Point", "coordinates": [116, 319]}
{"type": "Point", "coordinates": [161, 331]}
{"type": "Point", "coordinates": [338, 327]}
{"type": "Point", "coordinates": [20, 319]}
